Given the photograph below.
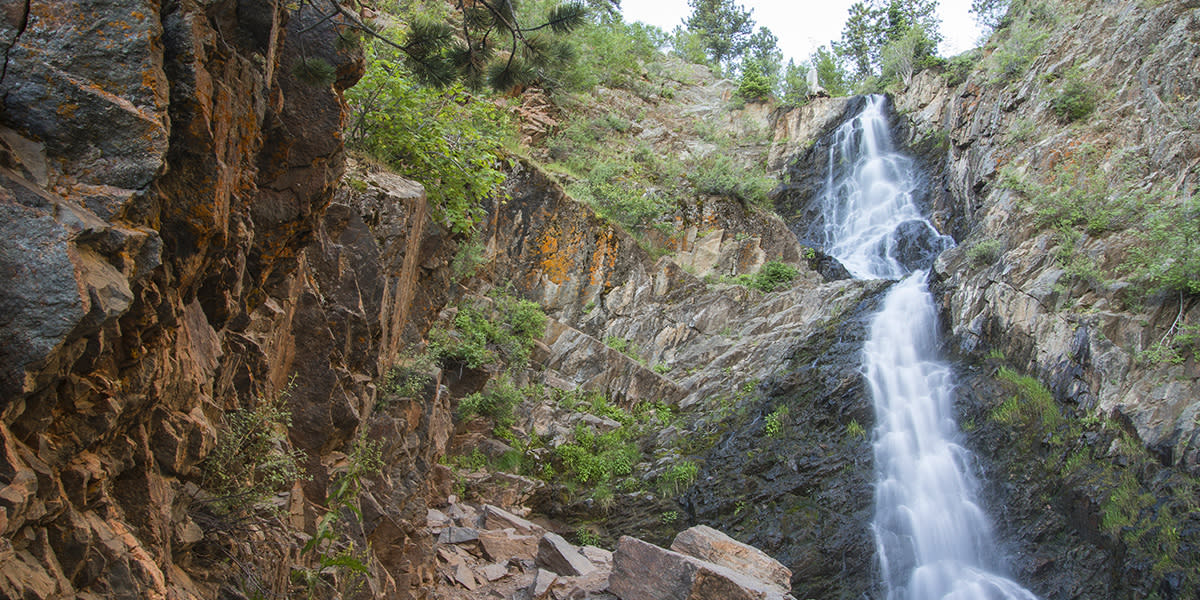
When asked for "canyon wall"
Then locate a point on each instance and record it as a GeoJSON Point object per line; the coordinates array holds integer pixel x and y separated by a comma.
{"type": "Point", "coordinates": [170, 254]}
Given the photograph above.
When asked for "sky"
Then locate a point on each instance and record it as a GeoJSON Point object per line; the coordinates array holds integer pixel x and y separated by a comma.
{"type": "Point", "coordinates": [803, 25]}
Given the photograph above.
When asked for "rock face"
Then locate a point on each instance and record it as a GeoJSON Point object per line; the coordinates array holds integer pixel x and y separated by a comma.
{"type": "Point", "coordinates": [170, 253]}
{"type": "Point", "coordinates": [1079, 337]}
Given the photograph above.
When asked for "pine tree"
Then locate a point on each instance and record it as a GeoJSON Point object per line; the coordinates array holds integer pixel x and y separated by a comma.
{"type": "Point", "coordinates": [723, 26]}
{"type": "Point", "coordinates": [874, 24]}
{"type": "Point", "coordinates": [484, 42]}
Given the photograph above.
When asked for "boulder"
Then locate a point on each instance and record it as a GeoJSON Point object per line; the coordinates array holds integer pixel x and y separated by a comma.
{"type": "Point", "coordinates": [540, 588]}
{"type": "Point", "coordinates": [643, 571]}
{"type": "Point", "coordinates": [560, 556]}
{"type": "Point", "coordinates": [458, 535]}
{"type": "Point", "coordinates": [498, 518]}
{"type": "Point", "coordinates": [708, 544]}
{"type": "Point", "coordinates": [504, 544]}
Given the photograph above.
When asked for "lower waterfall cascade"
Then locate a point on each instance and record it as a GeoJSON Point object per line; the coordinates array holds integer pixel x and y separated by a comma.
{"type": "Point", "coordinates": [933, 539]}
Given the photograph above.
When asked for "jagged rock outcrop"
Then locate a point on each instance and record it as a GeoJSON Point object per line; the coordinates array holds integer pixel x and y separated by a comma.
{"type": "Point", "coordinates": [170, 254]}
{"type": "Point", "coordinates": [1080, 338]}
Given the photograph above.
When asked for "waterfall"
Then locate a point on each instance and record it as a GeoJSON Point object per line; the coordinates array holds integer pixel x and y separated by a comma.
{"type": "Point", "coordinates": [933, 540]}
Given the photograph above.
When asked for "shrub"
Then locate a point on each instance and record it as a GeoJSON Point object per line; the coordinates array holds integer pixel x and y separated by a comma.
{"type": "Point", "coordinates": [772, 276]}
{"type": "Point", "coordinates": [1075, 101]}
{"type": "Point", "coordinates": [252, 459]}
{"type": "Point", "coordinates": [775, 421]}
{"type": "Point", "coordinates": [595, 459]}
{"type": "Point", "coordinates": [496, 402]}
{"type": "Point", "coordinates": [1168, 259]}
{"type": "Point", "coordinates": [448, 139]}
{"type": "Point", "coordinates": [985, 253]}
{"type": "Point", "coordinates": [958, 68]}
{"type": "Point", "coordinates": [717, 175]}
{"type": "Point", "coordinates": [677, 478]}
{"type": "Point", "coordinates": [506, 334]}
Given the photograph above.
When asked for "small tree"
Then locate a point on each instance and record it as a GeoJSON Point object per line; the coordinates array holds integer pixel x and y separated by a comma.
{"type": "Point", "coordinates": [754, 83]}
{"type": "Point", "coordinates": [830, 74]}
{"type": "Point", "coordinates": [795, 84]}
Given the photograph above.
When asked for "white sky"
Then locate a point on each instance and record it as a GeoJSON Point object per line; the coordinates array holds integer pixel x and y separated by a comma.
{"type": "Point", "coordinates": [803, 25]}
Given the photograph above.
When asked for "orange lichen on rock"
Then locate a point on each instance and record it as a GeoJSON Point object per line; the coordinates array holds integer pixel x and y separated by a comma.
{"type": "Point", "coordinates": [604, 258]}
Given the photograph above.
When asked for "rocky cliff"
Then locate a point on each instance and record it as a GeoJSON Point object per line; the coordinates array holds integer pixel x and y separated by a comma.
{"type": "Point", "coordinates": [171, 256]}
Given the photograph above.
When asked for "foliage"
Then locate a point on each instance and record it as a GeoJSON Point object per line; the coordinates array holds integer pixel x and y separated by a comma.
{"type": "Point", "coordinates": [1168, 259]}
{"type": "Point", "coordinates": [333, 556]}
{"type": "Point", "coordinates": [1143, 506]}
{"type": "Point", "coordinates": [469, 257]}
{"type": "Point", "coordinates": [754, 83]}
{"type": "Point", "coordinates": [484, 42]}
{"type": "Point", "coordinates": [678, 478]}
{"type": "Point", "coordinates": [775, 421]}
{"type": "Point", "coordinates": [505, 334]}
{"type": "Point", "coordinates": [989, 13]}
{"type": "Point", "coordinates": [722, 26]}
{"type": "Point", "coordinates": [612, 189]}
{"type": "Point", "coordinates": [252, 459]}
{"type": "Point", "coordinates": [610, 53]}
{"type": "Point", "coordinates": [315, 71]}
{"type": "Point", "coordinates": [586, 537]}
{"type": "Point", "coordinates": [771, 277]}
{"type": "Point", "coordinates": [830, 74]}
{"type": "Point", "coordinates": [960, 66]}
{"type": "Point", "coordinates": [496, 402]}
{"type": "Point", "coordinates": [718, 175]}
{"type": "Point", "coordinates": [1017, 46]}
{"type": "Point", "coordinates": [904, 55]}
{"type": "Point", "coordinates": [596, 459]}
{"type": "Point", "coordinates": [1095, 193]}
{"type": "Point", "coordinates": [411, 375]}
{"type": "Point", "coordinates": [854, 430]}
{"type": "Point", "coordinates": [795, 84]}
{"type": "Point", "coordinates": [985, 253]}
{"type": "Point", "coordinates": [873, 25]}
{"type": "Point", "coordinates": [447, 139]}
{"type": "Point", "coordinates": [1075, 101]}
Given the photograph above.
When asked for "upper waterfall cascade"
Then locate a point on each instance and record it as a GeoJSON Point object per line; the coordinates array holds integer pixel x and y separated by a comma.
{"type": "Point", "coordinates": [933, 539]}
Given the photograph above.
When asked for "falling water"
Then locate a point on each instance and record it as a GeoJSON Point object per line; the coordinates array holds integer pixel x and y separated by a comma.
{"type": "Point", "coordinates": [934, 541]}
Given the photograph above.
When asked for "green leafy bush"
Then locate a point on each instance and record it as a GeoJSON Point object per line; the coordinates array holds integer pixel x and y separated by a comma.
{"type": "Point", "coordinates": [773, 275]}
{"type": "Point", "coordinates": [496, 402]}
{"type": "Point", "coordinates": [506, 333]}
{"type": "Point", "coordinates": [775, 421]}
{"type": "Point", "coordinates": [1075, 101]}
{"type": "Point", "coordinates": [718, 175]}
{"type": "Point", "coordinates": [985, 253]}
{"type": "Point", "coordinates": [448, 139]}
{"type": "Point", "coordinates": [1168, 259]}
{"type": "Point", "coordinates": [596, 459]}
{"type": "Point", "coordinates": [252, 458]}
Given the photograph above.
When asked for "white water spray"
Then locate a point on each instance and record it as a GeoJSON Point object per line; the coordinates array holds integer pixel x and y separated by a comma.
{"type": "Point", "coordinates": [934, 541]}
